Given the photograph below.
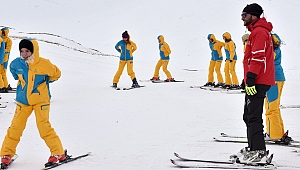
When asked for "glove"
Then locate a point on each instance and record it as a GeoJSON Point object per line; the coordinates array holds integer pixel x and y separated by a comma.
{"type": "Point", "coordinates": [250, 84]}
{"type": "Point", "coordinates": [250, 90]}
{"type": "Point", "coordinates": [230, 61]}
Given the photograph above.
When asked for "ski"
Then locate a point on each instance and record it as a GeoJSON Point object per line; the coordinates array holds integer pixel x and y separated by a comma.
{"type": "Point", "coordinates": [4, 166]}
{"type": "Point", "coordinates": [130, 88]}
{"type": "Point", "coordinates": [196, 86]}
{"type": "Point", "coordinates": [163, 81]}
{"type": "Point", "coordinates": [145, 80]}
{"type": "Point", "coordinates": [221, 166]}
{"type": "Point", "coordinates": [235, 91]}
{"type": "Point", "coordinates": [70, 159]}
{"type": "Point", "coordinates": [186, 69]}
{"type": "Point", "coordinates": [289, 106]}
{"type": "Point", "coordinates": [244, 140]}
{"type": "Point", "coordinates": [3, 106]}
{"type": "Point", "coordinates": [200, 160]}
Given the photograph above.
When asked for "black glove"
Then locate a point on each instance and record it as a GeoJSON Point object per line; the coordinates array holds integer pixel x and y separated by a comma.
{"type": "Point", "coordinates": [231, 61]}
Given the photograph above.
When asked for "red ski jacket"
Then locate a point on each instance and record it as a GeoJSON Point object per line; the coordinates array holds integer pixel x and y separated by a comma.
{"type": "Point", "coordinates": [259, 54]}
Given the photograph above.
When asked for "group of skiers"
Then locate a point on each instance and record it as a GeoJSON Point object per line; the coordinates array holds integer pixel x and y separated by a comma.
{"type": "Point", "coordinates": [126, 47]}
{"type": "Point", "coordinates": [263, 82]}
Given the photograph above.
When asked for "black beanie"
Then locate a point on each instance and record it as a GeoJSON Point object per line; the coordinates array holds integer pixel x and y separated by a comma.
{"type": "Point", "coordinates": [125, 35]}
{"type": "Point", "coordinates": [26, 44]}
{"type": "Point", "coordinates": [253, 9]}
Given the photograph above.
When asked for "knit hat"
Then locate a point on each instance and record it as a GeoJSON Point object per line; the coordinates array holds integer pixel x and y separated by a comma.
{"type": "Point", "coordinates": [253, 9]}
{"type": "Point", "coordinates": [26, 44]}
{"type": "Point", "coordinates": [125, 35]}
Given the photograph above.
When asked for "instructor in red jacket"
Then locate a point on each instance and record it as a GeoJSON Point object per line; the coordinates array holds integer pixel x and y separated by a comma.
{"type": "Point", "coordinates": [259, 76]}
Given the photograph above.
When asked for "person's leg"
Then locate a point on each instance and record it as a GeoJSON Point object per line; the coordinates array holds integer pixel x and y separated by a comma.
{"type": "Point", "coordinates": [119, 72]}
{"type": "Point", "coordinates": [16, 129]}
{"type": "Point", "coordinates": [47, 133]}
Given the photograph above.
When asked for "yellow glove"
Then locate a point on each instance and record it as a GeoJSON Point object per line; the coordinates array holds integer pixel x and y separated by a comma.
{"type": "Point", "coordinates": [250, 90]}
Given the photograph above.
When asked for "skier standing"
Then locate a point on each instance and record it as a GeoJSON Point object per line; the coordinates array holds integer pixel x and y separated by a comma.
{"type": "Point", "coordinates": [4, 86]}
{"type": "Point", "coordinates": [274, 122]}
{"type": "Point", "coordinates": [164, 52]}
{"type": "Point", "coordinates": [125, 47]}
{"type": "Point", "coordinates": [215, 62]}
{"type": "Point", "coordinates": [259, 77]}
{"type": "Point", "coordinates": [34, 74]}
{"type": "Point", "coordinates": [231, 80]}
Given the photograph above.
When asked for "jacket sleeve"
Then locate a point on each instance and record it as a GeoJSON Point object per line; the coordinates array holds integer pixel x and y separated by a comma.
{"type": "Point", "coordinates": [166, 49]}
{"type": "Point", "coordinates": [220, 45]}
{"type": "Point", "coordinates": [259, 43]}
{"type": "Point", "coordinates": [117, 47]}
{"type": "Point", "coordinates": [231, 48]}
{"type": "Point", "coordinates": [134, 47]}
{"type": "Point", "coordinates": [13, 70]}
{"type": "Point", "coordinates": [8, 45]}
{"type": "Point", "coordinates": [54, 72]}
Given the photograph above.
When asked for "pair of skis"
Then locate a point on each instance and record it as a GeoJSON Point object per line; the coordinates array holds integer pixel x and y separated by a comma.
{"type": "Point", "coordinates": [228, 91]}
{"type": "Point", "coordinates": [128, 88]}
{"type": "Point", "coordinates": [68, 159]}
{"type": "Point", "coordinates": [182, 162]}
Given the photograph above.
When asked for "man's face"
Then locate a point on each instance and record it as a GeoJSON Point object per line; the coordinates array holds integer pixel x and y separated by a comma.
{"type": "Point", "coordinates": [247, 18]}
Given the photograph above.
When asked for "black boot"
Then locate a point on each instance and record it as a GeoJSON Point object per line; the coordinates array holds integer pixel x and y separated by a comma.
{"type": "Point", "coordinates": [135, 83]}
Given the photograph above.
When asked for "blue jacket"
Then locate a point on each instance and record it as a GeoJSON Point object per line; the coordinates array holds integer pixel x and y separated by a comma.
{"type": "Point", "coordinates": [125, 49]}
{"type": "Point", "coordinates": [216, 48]}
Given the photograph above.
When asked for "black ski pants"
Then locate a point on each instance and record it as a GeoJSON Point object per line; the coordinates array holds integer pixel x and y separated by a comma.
{"type": "Point", "coordinates": [253, 110]}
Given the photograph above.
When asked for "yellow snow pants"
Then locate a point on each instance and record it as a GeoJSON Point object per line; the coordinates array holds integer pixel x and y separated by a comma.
{"type": "Point", "coordinates": [215, 66]}
{"type": "Point", "coordinates": [230, 74]}
{"type": "Point", "coordinates": [274, 122]}
{"type": "Point", "coordinates": [121, 68]}
{"type": "Point", "coordinates": [18, 124]}
{"type": "Point", "coordinates": [164, 65]}
{"type": "Point", "coordinates": [3, 77]}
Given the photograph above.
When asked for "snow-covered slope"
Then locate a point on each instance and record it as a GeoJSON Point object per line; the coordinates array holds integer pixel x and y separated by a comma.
{"type": "Point", "coordinates": [141, 128]}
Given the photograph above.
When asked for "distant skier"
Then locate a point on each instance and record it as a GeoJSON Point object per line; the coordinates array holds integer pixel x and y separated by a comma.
{"type": "Point", "coordinates": [244, 40]}
{"type": "Point", "coordinates": [164, 52]}
{"type": "Point", "coordinates": [125, 47]}
{"type": "Point", "coordinates": [34, 74]}
{"type": "Point", "coordinates": [215, 62]}
{"type": "Point", "coordinates": [231, 80]}
{"type": "Point", "coordinates": [4, 86]}
{"type": "Point", "coordinates": [274, 122]}
{"type": "Point", "coordinates": [259, 77]}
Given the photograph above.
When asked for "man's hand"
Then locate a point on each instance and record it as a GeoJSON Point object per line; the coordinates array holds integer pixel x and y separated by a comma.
{"type": "Point", "coordinates": [250, 90]}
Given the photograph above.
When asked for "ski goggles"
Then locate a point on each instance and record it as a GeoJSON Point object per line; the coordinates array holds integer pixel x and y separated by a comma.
{"type": "Point", "coordinates": [244, 15]}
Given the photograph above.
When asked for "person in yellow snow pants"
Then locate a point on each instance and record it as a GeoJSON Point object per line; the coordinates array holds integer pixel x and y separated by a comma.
{"type": "Point", "coordinates": [231, 80]}
{"type": "Point", "coordinates": [215, 66]}
{"type": "Point", "coordinates": [274, 122]}
{"type": "Point", "coordinates": [164, 52]}
{"type": "Point", "coordinates": [34, 74]}
{"type": "Point", "coordinates": [215, 62]}
{"type": "Point", "coordinates": [125, 47]}
{"type": "Point", "coordinates": [18, 124]}
{"type": "Point", "coordinates": [119, 72]}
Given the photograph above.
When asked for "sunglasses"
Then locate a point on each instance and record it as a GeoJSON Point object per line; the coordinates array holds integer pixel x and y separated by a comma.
{"type": "Point", "coordinates": [244, 15]}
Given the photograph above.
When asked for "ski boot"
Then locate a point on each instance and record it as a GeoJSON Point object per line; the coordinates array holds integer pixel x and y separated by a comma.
{"type": "Point", "coordinates": [5, 161]}
{"type": "Point", "coordinates": [54, 159]}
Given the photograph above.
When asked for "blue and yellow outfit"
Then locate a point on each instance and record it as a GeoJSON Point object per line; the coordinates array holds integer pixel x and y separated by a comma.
{"type": "Point", "coordinates": [3, 63]}
{"type": "Point", "coordinates": [125, 49]}
{"type": "Point", "coordinates": [274, 122]}
{"type": "Point", "coordinates": [164, 52]}
{"type": "Point", "coordinates": [216, 58]}
{"type": "Point", "coordinates": [230, 50]}
{"type": "Point", "coordinates": [32, 94]}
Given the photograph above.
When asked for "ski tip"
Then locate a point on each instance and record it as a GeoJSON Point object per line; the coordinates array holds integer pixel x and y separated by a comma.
{"type": "Point", "coordinates": [173, 161]}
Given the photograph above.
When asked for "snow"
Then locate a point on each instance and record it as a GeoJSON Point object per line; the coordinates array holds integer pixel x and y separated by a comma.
{"type": "Point", "coordinates": [141, 128]}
